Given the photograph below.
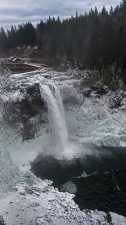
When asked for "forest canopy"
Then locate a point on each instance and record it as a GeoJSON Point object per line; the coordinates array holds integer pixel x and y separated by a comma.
{"type": "Point", "coordinates": [93, 40]}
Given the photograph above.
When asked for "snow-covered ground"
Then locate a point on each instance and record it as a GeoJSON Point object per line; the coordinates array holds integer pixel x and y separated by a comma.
{"type": "Point", "coordinates": [89, 120]}
{"type": "Point", "coordinates": [41, 204]}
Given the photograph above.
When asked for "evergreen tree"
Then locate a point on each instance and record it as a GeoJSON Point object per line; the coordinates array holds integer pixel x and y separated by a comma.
{"type": "Point", "coordinates": [3, 40]}
{"type": "Point", "coordinates": [92, 40]}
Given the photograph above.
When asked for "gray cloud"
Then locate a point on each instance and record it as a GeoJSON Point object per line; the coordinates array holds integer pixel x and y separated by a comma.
{"type": "Point", "coordinates": [13, 12]}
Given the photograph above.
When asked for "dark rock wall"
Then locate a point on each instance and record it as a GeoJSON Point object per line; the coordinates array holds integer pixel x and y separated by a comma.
{"type": "Point", "coordinates": [27, 111]}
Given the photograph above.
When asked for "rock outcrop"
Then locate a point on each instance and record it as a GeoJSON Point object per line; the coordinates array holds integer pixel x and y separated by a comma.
{"type": "Point", "coordinates": [41, 204]}
{"type": "Point", "coordinates": [22, 106]}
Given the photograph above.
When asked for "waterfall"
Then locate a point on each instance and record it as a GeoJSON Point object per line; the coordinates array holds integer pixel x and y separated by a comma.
{"type": "Point", "coordinates": [51, 95]}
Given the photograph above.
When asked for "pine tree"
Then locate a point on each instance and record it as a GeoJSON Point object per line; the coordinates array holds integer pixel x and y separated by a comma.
{"type": "Point", "coordinates": [3, 40]}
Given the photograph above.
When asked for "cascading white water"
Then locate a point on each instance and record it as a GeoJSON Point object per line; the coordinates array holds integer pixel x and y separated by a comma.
{"type": "Point", "coordinates": [51, 94]}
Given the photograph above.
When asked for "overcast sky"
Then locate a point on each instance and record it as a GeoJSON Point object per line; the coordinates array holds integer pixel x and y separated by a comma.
{"type": "Point", "coordinates": [13, 12]}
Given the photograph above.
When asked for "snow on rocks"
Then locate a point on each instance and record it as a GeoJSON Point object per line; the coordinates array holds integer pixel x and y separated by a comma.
{"type": "Point", "coordinates": [49, 207]}
{"type": "Point", "coordinates": [95, 123]}
{"type": "Point", "coordinates": [9, 173]}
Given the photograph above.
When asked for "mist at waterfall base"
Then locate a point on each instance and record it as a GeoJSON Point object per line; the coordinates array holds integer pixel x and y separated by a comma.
{"type": "Point", "coordinates": [96, 175]}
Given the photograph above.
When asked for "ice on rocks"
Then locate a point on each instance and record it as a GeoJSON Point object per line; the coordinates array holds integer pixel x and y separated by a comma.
{"type": "Point", "coordinates": [97, 121]}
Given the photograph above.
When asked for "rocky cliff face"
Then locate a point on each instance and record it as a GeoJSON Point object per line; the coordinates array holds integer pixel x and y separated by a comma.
{"type": "Point", "coordinates": [22, 112]}
{"type": "Point", "coordinates": [22, 106]}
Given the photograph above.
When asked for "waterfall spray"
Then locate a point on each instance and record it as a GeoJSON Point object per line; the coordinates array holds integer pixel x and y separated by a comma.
{"type": "Point", "coordinates": [51, 94]}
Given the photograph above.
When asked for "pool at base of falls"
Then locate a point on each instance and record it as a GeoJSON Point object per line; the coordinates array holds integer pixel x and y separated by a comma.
{"type": "Point", "coordinates": [98, 182]}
